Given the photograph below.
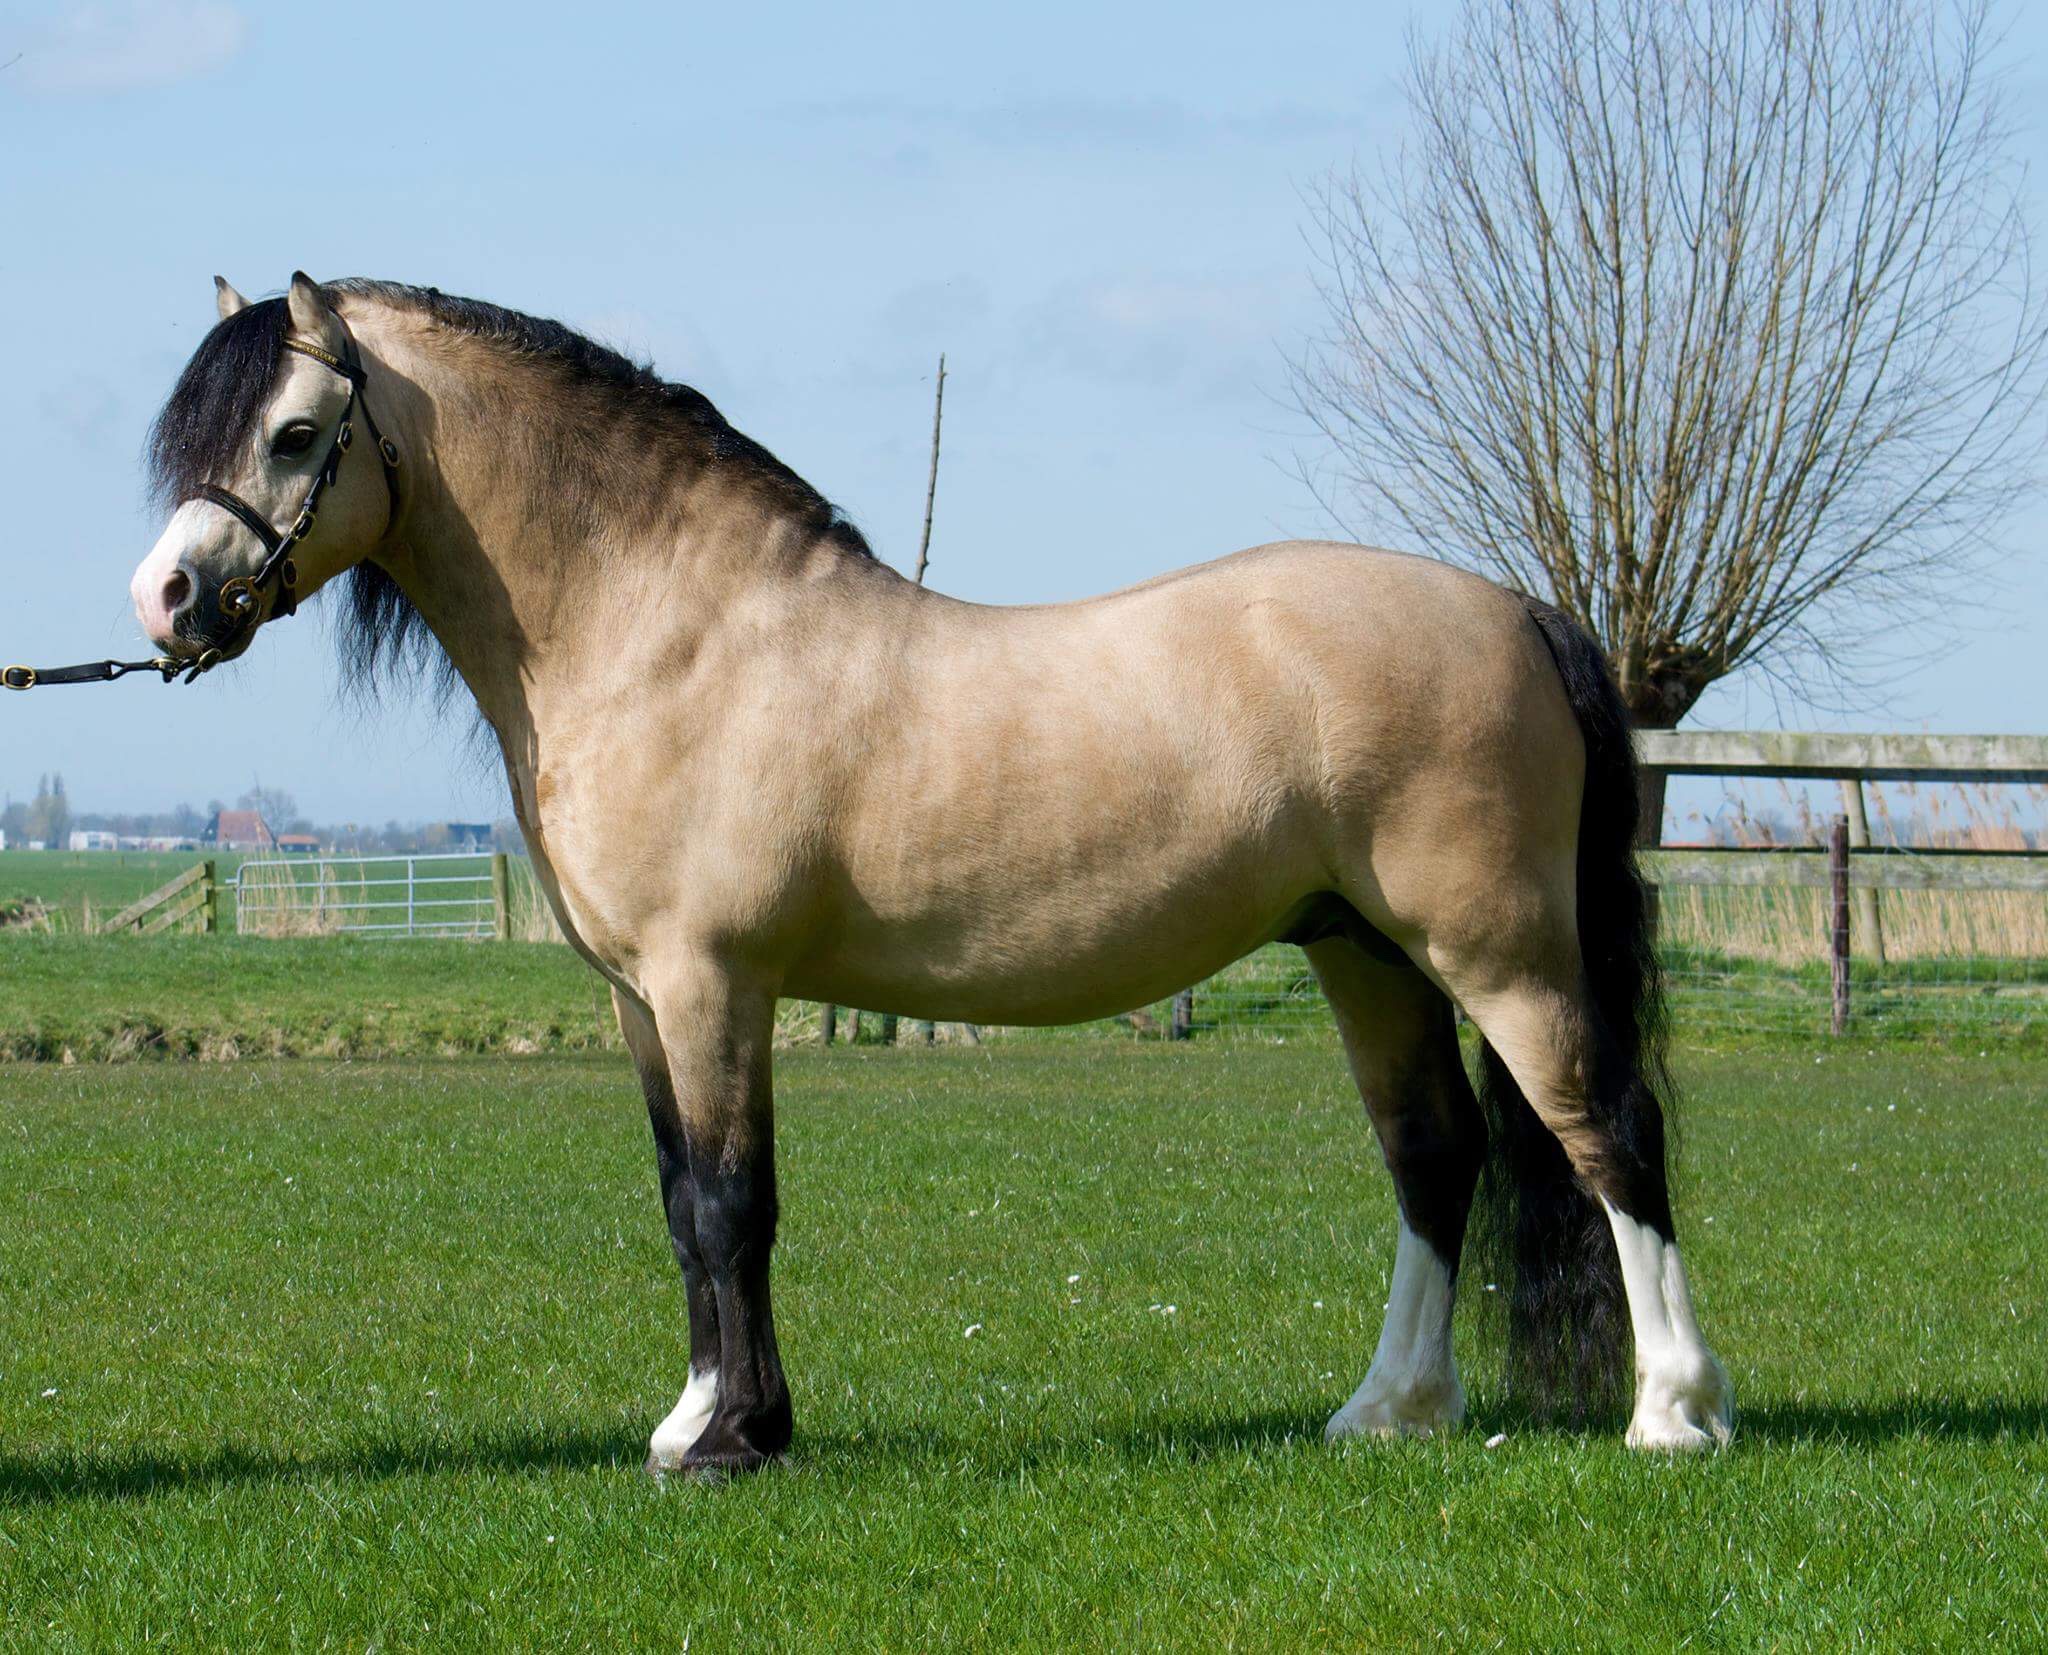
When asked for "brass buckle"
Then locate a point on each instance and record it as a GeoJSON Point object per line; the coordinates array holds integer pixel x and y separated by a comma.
{"type": "Point", "coordinates": [288, 574]}
{"type": "Point", "coordinates": [207, 661]}
{"type": "Point", "coordinates": [18, 678]}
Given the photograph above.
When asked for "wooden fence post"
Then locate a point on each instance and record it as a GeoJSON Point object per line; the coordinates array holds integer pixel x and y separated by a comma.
{"type": "Point", "coordinates": [209, 908]}
{"type": "Point", "coordinates": [501, 897]}
{"type": "Point", "coordinates": [828, 1022]}
{"type": "Point", "coordinates": [1183, 1023]}
{"type": "Point", "coordinates": [1867, 918]}
{"type": "Point", "coordinates": [888, 1028]}
{"type": "Point", "coordinates": [1838, 929]}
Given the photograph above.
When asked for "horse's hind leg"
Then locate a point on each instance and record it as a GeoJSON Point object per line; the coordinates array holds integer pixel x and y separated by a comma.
{"type": "Point", "coordinates": [1532, 1006]}
{"type": "Point", "coordinates": [1403, 1047]}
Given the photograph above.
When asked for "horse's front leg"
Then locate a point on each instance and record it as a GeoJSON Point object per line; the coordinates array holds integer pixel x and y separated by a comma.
{"type": "Point", "coordinates": [715, 1032]}
{"type": "Point", "coordinates": [692, 1412]}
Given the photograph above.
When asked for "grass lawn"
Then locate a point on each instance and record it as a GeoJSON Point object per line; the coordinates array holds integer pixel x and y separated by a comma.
{"type": "Point", "coordinates": [318, 1354]}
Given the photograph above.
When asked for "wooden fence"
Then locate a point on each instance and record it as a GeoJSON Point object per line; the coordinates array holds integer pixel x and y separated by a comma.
{"type": "Point", "coordinates": [193, 898]}
{"type": "Point", "coordinates": [1850, 868]}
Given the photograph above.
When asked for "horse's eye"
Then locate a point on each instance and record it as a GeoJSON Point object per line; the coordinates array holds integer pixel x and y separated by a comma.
{"type": "Point", "coordinates": [294, 439]}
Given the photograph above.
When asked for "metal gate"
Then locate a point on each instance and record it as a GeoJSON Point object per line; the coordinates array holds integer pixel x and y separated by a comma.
{"type": "Point", "coordinates": [447, 894]}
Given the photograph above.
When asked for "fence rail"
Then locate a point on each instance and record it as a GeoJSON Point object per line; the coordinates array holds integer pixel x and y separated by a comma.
{"type": "Point", "coordinates": [1885, 868]}
{"type": "Point", "coordinates": [1820, 756]}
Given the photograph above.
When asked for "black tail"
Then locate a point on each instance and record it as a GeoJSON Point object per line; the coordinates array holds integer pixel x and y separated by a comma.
{"type": "Point", "coordinates": [1543, 1234]}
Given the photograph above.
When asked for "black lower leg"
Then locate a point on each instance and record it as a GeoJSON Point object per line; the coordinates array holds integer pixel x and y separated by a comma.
{"type": "Point", "coordinates": [1630, 1173]}
{"type": "Point", "coordinates": [1433, 1135]}
{"type": "Point", "coordinates": [733, 1201]}
{"type": "Point", "coordinates": [678, 1200]}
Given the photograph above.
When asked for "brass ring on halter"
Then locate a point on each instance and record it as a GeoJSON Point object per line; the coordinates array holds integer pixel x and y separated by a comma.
{"type": "Point", "coordinates": [345, 436]}
{"type": "Point", "coordinates": [238, 597]}
{"type": "Point", "coordinates": [303, 527]}
{"type": "Point", "coordinates": [390, 451]}
{"type": "Point", "coordinates": [18, 678]}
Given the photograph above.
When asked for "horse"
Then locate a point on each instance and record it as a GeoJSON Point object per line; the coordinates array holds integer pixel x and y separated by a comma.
{"type": "Point", "coordinates": [701, 681]}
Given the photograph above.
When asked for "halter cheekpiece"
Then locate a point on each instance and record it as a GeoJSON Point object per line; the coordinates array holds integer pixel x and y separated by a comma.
{"type": "Point", "coordinates": [241, 599]}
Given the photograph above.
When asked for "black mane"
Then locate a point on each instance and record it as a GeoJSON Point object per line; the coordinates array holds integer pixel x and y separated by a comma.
{"type": "Point", "coordinates": [213, 409]}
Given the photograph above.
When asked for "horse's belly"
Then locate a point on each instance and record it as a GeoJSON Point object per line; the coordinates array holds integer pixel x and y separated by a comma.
{"type": "Point", "coordinates": [1042, 966]}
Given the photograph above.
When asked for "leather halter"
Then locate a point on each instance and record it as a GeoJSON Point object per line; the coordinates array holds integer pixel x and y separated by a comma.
{"type": "Point", "coordinates": [241, 599]}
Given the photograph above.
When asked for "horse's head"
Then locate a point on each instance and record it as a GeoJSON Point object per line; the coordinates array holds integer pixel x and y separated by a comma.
{"type": "Point", "coordinates": [269, 458]}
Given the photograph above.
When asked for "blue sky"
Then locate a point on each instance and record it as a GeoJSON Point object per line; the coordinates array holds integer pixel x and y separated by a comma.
{"type": "Point", "coordinates": [1096, 211]}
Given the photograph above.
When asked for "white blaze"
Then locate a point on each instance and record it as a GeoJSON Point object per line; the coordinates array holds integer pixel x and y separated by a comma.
{"type": "Point", "coordinates": [184, 537]}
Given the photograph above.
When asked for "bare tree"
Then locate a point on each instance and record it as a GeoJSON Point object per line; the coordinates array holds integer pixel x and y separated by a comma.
{"type": "Point", "coordinates": [1710, 320]}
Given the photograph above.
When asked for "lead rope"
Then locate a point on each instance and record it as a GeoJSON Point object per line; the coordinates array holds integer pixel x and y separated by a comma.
{"type": "Point", "coordinates": [242, 598]}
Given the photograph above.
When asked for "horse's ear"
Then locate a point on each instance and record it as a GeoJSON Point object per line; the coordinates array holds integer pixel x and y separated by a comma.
{"type": "Point", "coordinates": [226, 300]}
{"type": "Point", "coordinates": [312, 317]}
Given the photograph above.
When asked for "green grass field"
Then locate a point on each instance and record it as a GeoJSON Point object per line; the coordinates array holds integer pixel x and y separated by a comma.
{"type": "Point", "coordinates": [364, 1355]}
{"type": "Point", "coordinates": [99, 998]}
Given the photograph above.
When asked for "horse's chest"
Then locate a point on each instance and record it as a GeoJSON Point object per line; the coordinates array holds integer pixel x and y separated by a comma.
{"type": "Point", "coordinates": [581, 872]}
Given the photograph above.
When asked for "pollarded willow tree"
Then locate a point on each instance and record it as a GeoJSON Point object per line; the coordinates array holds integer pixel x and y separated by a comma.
{"type": "Point", "coordinates": [1709, 320]}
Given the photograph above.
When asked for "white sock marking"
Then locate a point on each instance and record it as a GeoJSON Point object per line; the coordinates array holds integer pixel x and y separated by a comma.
{"type": "Point", "coordinates": [686, 1421]}
{"type": "Point", "coordinates": [1683, 1399]}
{"type": "Point", "coordinates": [1412, 1386]}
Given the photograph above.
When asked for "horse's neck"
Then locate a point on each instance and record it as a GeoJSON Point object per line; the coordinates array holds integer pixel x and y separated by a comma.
{"type": "Point", "coordinates": [545, 610]}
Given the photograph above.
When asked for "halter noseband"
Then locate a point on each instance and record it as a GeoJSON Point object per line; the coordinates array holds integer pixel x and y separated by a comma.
{"type": "Point", "coordinates": [241, 599]}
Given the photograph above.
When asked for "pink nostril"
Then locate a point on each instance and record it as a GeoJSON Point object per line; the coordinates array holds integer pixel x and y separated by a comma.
{"type": "Point", "coordinates": [176, 590]}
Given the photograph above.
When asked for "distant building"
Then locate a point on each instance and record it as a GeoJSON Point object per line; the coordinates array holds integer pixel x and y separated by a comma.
{"type": "Point", "coordinates": [298, 844]}
{"type": "Point", "coordinates": [94, 839]}
{"type": "Point", "coordinates": [462, 835]}
{"type": "Point", "coordinates": [243, 830]}
{"type": "Point", "coordinates": [159, 842]}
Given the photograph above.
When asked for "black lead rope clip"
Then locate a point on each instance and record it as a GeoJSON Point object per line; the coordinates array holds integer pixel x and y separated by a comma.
{"type": "Point", "coordinates": [98, 672]}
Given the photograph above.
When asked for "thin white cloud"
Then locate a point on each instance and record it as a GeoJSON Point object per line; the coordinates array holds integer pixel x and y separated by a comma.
{"type": "Point", "coordinates": [119, 47]}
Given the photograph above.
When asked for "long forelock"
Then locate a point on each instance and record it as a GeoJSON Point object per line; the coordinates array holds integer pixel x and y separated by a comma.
{"type": "Point", "coordinates": [212, 410]}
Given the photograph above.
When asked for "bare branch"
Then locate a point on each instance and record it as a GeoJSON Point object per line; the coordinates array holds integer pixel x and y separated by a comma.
{"type": "Point", "coordinates": [1711, 320]}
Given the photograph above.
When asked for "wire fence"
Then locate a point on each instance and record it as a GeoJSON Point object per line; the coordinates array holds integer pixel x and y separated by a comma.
{"type": "Point", "coordinates": [448, 894]}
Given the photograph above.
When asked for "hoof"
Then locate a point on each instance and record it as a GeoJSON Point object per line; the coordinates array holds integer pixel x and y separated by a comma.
{"type": "Point", "coordinates": [1378, 1410]}
{"type": "Point", "coordinates": [728, 1447]}
{"type": "Point", "coordinates": [722, 1468]}
{"type": "Point", "coordinates": [1683, 1411]}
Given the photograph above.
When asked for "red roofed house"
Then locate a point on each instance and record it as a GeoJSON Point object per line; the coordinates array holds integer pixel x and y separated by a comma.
{"type": "Point", "coordinates": [240, 830]}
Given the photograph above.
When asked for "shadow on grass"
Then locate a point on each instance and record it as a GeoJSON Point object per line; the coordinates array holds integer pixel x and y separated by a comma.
{"type": "Point", "coordinates": [115, 1475]}
{"type": "Point", "coordinates": [1867, 1424]}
